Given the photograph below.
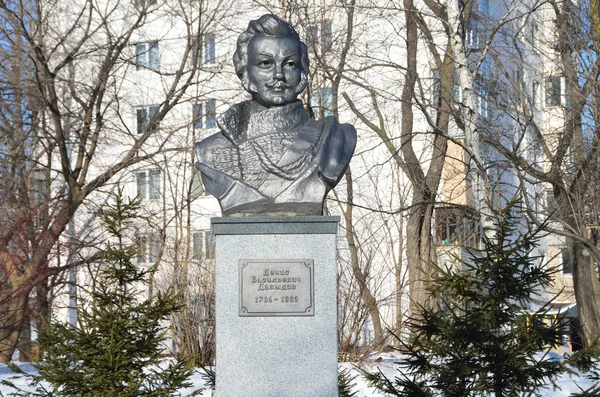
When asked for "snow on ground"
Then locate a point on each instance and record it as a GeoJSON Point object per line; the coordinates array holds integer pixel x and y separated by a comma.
{"type": "Point", "coordinates": [567, 383]}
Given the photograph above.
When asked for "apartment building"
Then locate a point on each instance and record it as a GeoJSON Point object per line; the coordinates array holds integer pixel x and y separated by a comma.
{"type": "Point", "coordinates": [358, 78]}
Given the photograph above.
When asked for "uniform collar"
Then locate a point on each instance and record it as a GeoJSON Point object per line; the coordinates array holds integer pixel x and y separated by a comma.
{"type": "Point", "coordinates": [246, 119]}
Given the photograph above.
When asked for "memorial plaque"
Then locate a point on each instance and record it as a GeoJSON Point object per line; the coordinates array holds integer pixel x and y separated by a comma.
{"type": "Point", "coordinates": [276, 288]}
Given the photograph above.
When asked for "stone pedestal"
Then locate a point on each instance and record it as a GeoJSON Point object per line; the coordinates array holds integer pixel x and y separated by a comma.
{"type": "Point", "coordinates": [276, 306]}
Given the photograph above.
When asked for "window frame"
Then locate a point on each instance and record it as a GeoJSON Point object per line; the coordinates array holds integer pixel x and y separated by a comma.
{"type": "Point", "coordinates": [553, 91]}
{"type": "Point", "coordinates": [210, 115]}
{"type": "Point", "coordinates": [565, 258]}
{"type": "Point", "coordinates": [320, 36]}
{"type": "Point", "coordinates": [144, 115]}
{"type": "Point", "coordinates": [202, 245]}
{"type": "Point", "coordinates": [534, 31]}
{"type": "Point", "coordinates": [147, 56]}
{"type": "Point", "coordinates": [149, 249]}
{"type": "Point", "coordinates": [550, 202]}
{"type": "Point", "coordinates": [149, 184]}
{"type": "Point", "coordinates": [197, 115]}
{"type": "Point", "coordinates": [457, 226]}
{"type": "Point", "coordinates": [326, 35]}
{"type": "Point", "coordinates": [142, 4]}
{"type": "Point", "coordinates": [535, 94]}
{"type": "Point", "coordinates": [322, 102]}
{"type": "Point", "coordinates": [209, 51]}
{"type": "Point", "coordinates": [204, 114]}
{"type": "Point", "coordinates": [472, 32]}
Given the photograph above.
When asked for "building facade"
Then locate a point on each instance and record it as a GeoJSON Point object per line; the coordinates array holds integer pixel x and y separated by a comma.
{"type": "Point", "coordinates": [175, 77]}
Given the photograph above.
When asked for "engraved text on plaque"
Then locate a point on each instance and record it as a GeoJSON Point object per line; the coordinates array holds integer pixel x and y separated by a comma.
{"type": "Point", "coordinates": [276, 287]}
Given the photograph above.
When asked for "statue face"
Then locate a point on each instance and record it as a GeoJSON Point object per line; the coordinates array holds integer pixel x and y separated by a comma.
{"type": "Point", "coordinates": [274, 70]}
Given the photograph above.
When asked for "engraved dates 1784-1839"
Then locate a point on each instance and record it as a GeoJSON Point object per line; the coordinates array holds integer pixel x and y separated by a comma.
{"type": "Point", "coordinates": [276, 288]}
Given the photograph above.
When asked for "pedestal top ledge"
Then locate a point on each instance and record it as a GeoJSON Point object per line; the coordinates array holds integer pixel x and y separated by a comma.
{"type": "Point", "coordinates": [275, 225]}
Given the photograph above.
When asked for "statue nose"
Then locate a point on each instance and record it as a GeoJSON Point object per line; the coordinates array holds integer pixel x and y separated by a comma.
{"type": "Point", "coordinates": [278, 73]}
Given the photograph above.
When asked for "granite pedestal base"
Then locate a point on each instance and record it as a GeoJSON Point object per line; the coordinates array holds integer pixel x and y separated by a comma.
{"type": "Point", "coordinates": [285, 353]}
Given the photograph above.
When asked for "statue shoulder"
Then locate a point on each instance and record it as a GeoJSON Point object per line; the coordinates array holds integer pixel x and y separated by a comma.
{"type": "Point", "coordinates": [341, 135]}
{"type": "Point", "coordinates": [337, 149]}
{"type": "Point", "coordinates": [206, 147]}
{"type": "Point", "coordinates": [350, 135]}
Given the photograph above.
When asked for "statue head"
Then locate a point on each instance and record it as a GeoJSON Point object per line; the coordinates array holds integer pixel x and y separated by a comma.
{"type": "Point", "coordinates": [271, 61]}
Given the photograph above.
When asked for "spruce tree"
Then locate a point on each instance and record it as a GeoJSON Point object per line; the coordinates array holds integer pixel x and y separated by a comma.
{"type": "Point", "coordinates": [481, 339]}
{"type": "Point", "coordinates": [115, 350]}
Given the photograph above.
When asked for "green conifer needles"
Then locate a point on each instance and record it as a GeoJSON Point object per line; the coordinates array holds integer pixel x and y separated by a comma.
{"type": "Point", "coordinates": [116, 349]}
{"type": "Point", "coordinates": [483, 335]}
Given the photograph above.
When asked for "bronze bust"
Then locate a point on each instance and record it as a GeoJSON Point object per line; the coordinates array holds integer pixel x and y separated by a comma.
{"type": "Point", "coordinates": [269, 157]}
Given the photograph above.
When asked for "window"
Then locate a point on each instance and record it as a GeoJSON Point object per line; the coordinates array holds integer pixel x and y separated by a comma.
{"type": "Point", "coordinates": [553, 91]}
{"type": "Point", "coordinates": [205, 114]}
{"type": "Point", "coordinates": [148, 184]}
{"type": "Point", "coordinates": [323, 102]}
{"type": "Point", "coordinates": [210, 245]}
{"type": "Point", "coordinates": [145, 115]}
{"type": "Point", "coordinates": [320, 36]}
{"type": "Point", "coordinates": [326, 35]}
{"type": "Point", "coordinates": [141, 4]}
{"type": "Point", "coordinates": [481, 86]}
{"type": "Point", "coordinates": [446, 227]}
{"type": "Point", "coordinates": [550, 202]}
{"type": "Point", "coordinates": [198, 245]}
{"type": "Point", "coordinates": [535, 94]}
{"type": "Point", "coordinates": [556, 41]}
{"type": "Point", "coordinates": [457, 226]}
{"type": "Point", "coordinates": [203, 247]}
{"type": "Point", "coordinates": [312, 35]}
{"type": "Point", "coordinates": [197, 115]}
{"type": "Point", "coordinates": [535, 34]}
{"type": "Point", "coordinates": [148, 249]}
{"type": "Point", "coordinates": [38, 186]}
{"type": "Point", "coordinates": [472, 39]}
{"type": "Point", "coordinates": [209, 49]}
{"type": "Point", "coordinates": [456, 88]}
{"type": "Point", "coordinates": [567, 268]}
{"type": "Point", "coordinates": [211, 113]}
{"type": "Point", "coordinates": [457, 92]}
{"type": "Point", "coordinates": [39, 197]}
{"type": "Point", "coordinates": [482, 104]}
{"type": "Point", "coordinates": [147, 56]}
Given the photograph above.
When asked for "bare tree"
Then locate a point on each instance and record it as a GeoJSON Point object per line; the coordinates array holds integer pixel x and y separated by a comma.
{"type": "Point", "coordinates": [554, 147]}
{"type": "Point", "coordinates": [76, 63]}
{"type": "Point", "coordinates": [332, 32]}
{"type": "Point", "coordinates": [413, 26]}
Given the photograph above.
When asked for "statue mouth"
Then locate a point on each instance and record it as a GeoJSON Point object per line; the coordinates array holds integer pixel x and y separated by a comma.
{"type": "Point", "coordinates": [278, 86]}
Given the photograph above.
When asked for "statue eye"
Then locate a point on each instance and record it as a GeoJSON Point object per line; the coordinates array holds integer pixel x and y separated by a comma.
{"type": "Point", "coordinates": [291, 64]}
{"type": "Point", "coordinates": [265, 63]}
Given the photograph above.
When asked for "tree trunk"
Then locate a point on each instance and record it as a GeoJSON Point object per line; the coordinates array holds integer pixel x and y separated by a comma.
{"type": "Point", "coordinates": [42, 314]}
{"type": "Point", "coordinates": [11, 320]}
{"type": "Point", "coordinates": [24, 345]}
{"type": "Point", "coordinates": [587, 291]}
{"type": "Point", "coordinates": [399, 283]}
{"type": "Point", "coordinates": [420, 254]}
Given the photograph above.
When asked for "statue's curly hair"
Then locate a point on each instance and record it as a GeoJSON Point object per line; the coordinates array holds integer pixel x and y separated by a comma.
{"type": "Point", "coordinates": [268, 25]}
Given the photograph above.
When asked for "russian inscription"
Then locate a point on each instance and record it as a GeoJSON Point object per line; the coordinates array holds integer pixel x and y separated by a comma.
{"type": "Point", "coordinates": [276, 288]}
